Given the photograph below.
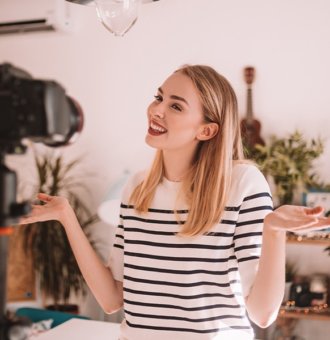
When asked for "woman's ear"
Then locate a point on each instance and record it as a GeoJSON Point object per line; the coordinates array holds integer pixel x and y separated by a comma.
{"type": "Point", "coordinates": [208, 131]}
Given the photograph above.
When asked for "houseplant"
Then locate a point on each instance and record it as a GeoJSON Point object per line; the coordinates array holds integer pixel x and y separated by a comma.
{"type": "Point", "coordinates": [289, 162]}
{"type": "Point", "coordinates": [46, 242]}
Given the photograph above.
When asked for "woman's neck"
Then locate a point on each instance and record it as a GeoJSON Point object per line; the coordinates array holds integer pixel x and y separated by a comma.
{"type": "Point", "coordinates": [177, 165]}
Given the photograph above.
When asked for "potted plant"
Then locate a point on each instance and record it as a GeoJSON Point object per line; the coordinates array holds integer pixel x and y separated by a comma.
{"type": "Point", "coordinates": [289, 161]}
{"type": "Point", "coordinates": [46, 242]}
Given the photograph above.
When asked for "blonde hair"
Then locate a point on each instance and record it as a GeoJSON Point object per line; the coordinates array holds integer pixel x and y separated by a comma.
{"type": "Point", "coordinates": [207, 185]}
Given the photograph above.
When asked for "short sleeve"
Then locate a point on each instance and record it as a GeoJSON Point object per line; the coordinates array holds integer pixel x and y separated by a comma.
{"type": "Point", "coordinates": [116, 258]}
{"type": "Point", "coordinates": [256, 204]}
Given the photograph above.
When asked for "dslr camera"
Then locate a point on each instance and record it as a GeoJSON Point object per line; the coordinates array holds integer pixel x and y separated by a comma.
{"type": "Point", "coordinates": [37, 110]}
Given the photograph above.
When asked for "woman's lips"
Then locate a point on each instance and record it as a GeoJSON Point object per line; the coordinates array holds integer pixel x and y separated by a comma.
{"type": "Point", "coordinates": [156, 129]}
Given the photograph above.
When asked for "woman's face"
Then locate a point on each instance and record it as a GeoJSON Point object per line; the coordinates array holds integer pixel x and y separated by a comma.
{"type": "Point", "coordinates": [175, 116]}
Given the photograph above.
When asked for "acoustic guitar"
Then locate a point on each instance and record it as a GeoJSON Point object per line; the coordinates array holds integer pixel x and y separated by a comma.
{"type": "Point", "coordinates": [250, 127]}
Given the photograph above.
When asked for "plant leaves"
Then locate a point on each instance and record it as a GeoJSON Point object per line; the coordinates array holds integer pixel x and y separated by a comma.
{"type": "Point", "coordinates": [47, 242]}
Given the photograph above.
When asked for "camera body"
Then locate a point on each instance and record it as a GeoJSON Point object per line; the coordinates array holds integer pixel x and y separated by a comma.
{"type": "Point", "coordinates": [309, 291]}
{"type": "Point", "coordinates": [38, 110]}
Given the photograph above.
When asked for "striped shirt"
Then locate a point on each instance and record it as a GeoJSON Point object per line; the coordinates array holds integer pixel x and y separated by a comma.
{"type": "Point", "coordinates": [190, 287]}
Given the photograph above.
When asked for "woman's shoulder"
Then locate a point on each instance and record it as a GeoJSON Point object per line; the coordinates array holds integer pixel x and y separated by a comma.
{"type": "Point", "coordinates": [246, 169]}
{"type": "Point", "coordinates": [133, 180]}
{"type": "Point", "coordinates": [137, 177]}
{"type": "Point", "coordinates": [247, 178]}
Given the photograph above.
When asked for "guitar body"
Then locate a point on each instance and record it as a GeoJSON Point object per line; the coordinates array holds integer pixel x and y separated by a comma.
{"type": "Point", "coordinates": [250, 127]}
{"type": "Point", "coordinates": [251, 132]}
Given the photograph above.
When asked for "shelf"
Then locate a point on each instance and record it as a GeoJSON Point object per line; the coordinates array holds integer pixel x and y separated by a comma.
{"type": "Point", "coordinates": [311, 241]}
{"type": "Point", "coordinates": [304, 314]}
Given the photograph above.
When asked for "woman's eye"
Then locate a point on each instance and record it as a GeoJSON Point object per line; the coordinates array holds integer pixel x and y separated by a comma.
{"type": "Point", "coordinates": [176, 107]}
{"type": "Point", "coordinates": [158, 97]}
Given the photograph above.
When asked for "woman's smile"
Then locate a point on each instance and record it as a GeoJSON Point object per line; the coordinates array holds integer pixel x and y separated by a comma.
{"type": "Point", "coordinates": [156, 129]}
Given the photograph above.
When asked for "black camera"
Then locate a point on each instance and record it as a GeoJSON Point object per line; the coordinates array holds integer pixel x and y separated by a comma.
{"type": "Point", "coordinates": [35, 109]}
{"type": "Point", "coordinates": [38, 110]}
{"type": "Point", "coordinates": [309, 291]}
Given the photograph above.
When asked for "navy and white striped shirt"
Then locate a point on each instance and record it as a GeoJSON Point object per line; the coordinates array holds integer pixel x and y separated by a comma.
{"type": "Point", "coordinates": [190, 288]}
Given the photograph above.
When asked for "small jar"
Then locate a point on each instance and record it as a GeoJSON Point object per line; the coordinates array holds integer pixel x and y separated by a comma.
{"type": "Point", "coordinates": [319, 289]}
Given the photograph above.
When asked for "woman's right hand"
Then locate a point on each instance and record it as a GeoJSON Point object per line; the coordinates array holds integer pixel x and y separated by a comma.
{"type": "Point", "coordinates": [55, 208]}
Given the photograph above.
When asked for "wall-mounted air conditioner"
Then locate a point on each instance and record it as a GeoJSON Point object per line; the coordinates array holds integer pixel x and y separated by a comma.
{"type": "Point", "coordinates": [21, 16]}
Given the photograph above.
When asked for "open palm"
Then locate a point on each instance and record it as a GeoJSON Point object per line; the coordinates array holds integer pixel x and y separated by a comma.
{"type": "Point", "coordinates": [297, 218]}
{"type": "Point", "coordinates": [53, 209]}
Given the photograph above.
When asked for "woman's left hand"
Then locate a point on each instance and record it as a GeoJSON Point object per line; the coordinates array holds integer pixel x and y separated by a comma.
{"type": "Point", "coordinates": [297, 219]}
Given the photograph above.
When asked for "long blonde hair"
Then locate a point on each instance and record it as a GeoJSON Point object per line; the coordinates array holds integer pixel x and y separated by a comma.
{"type": "Point", "coordinates": [207, 185]}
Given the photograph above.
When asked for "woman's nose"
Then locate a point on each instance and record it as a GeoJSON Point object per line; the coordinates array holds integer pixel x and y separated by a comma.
{"type": "Point", "coordinates": [158, 112]}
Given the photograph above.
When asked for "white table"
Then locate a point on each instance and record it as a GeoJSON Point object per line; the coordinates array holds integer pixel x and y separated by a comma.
{"type": "Point", "coordinates": [82, 330]}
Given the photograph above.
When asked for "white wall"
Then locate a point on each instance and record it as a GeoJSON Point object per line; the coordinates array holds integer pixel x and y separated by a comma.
{"type": "Point", "coordinates": [114, 79]}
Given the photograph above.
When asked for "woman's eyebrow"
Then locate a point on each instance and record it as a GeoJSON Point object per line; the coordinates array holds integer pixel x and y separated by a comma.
{"type": "Point", "coordinates": [173, 96]}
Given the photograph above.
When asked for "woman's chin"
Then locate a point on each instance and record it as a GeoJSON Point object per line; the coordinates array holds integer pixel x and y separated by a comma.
{"type": "Point", "coordinates": [149, 141]}
{"type": "Point", "coordinates": [153, 141]}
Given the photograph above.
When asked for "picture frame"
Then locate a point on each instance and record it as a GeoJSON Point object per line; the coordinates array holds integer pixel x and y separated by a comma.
{"type": "Point", "coordinates": [314, 198]}
{"type": "Point", "coordinates": [318, 198]}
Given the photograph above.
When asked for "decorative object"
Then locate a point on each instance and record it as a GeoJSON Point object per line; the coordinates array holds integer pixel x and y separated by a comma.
{"type": "Point", "coordinates": [289, 162]}
{"type": "Point", "coordinates": [250, 127]}
{"type": "Point", "coordinates": [290, 272]}
{"type": "Point", "coordinates": [314, 198]}
{"type": "Point", "coordinates": [319, 284]}
{"type": "Point", "coordinates": [117, 16]}
{"type": "Point", "coordinates": [299, 292]}
{"type": "Point", "coordinates": [46, 242]}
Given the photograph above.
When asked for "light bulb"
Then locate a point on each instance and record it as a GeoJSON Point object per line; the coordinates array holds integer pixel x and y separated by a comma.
{"type": "Point", "coordinates": [118, 16]}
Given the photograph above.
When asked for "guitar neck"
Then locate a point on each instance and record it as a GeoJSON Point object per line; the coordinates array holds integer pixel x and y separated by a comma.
{"type": "Point", "coordinates": [249, 109]}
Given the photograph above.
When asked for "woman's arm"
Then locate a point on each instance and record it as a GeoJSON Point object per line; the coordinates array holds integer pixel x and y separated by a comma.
{"type": "Point", "coordinates": [266, 294]}
{"type": "Point", "coordinates": [107, 291]}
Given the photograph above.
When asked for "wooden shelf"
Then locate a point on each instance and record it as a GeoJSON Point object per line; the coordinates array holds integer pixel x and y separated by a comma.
{"type": "Point", "coordinates": [323, 242]}
{"type": "Point", "coordinates": [292, 314]}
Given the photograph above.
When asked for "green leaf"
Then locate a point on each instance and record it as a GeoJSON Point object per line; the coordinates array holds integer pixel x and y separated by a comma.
{"type": "Point", "coordinates": [290, 161]}
{"type": "Point", "coordinates": [47, 242]}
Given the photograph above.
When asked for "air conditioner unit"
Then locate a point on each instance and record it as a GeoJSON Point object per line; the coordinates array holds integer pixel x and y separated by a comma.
{"type": "Point", "coordinates": [22, 16]}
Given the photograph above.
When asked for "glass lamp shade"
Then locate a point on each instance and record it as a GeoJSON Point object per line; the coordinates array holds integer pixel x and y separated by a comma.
{"type": "Point", "coordinates": [82, 2]}
{"type": "Point", "coordinates": [117, 16]}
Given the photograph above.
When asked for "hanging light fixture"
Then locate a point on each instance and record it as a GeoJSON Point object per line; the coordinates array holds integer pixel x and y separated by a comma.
{"type": "Point", "coordinates": [117, 16]}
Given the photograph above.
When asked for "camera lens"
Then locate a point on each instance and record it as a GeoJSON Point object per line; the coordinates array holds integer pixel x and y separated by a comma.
{"type": "Point", "coordinates": [76, 122]}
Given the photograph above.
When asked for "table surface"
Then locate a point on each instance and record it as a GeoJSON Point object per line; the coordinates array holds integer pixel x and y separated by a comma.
{"type": "Point", "coordinates": [82, 330]}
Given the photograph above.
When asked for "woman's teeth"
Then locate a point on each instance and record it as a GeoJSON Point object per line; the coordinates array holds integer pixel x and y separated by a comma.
{"type": "Point", "coordinates": [157, 128]}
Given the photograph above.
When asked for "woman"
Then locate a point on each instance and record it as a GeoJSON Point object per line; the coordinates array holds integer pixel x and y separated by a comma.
{"type": "Point", "coordinates": [187, 261]}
